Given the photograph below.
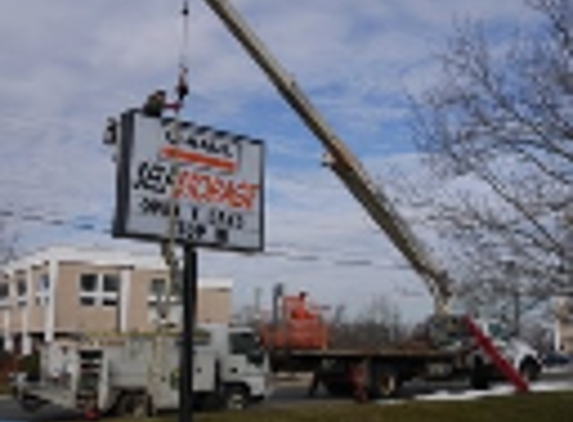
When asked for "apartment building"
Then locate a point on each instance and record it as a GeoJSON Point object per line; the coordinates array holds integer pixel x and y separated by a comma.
{"type": "Point", "coordinates": [563, 329]}
{"type": "Point", "coordinates": [64, 291]}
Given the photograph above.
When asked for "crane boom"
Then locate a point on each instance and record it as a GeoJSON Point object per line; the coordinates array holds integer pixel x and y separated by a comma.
{"type": "Point", "coordinates": [340, 159]}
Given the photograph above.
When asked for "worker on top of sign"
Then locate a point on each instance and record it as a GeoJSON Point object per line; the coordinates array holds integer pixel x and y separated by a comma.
{"type": "Point", "coordinates": [156, 103]}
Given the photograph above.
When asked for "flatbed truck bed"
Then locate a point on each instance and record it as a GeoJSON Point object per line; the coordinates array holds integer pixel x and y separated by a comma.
{"type": "Point", "coordinates": [381, 372]}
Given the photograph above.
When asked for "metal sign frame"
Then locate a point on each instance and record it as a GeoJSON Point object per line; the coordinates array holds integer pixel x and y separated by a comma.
{"type": "Point", "coordinates": [219, 184]}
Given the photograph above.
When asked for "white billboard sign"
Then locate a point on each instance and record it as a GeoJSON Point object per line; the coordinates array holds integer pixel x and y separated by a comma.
{"type": "Point", "coordinates": [215, 179]}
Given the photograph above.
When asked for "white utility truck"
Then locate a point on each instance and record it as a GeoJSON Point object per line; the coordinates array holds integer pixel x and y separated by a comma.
{"type": "Point", "coordinates": [139, 374]}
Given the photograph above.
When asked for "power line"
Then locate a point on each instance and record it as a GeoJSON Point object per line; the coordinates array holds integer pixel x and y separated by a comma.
{"type": "Point", "coordinates": [296, 254]}
{"type": "Point", "coordinates": [46, 220]}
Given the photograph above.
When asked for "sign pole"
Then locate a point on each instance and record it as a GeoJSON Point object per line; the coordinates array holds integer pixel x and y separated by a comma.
{"type": "Point", "coordinates": [189, 297]}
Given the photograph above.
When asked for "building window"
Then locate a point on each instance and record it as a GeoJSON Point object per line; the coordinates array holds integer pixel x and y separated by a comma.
{"type": "Point", "coordinates": [4, 295]}
{"type": "Point", "coordinates": [43, 290]}
{"type": "Point", "coordinates": [110, 283]}
{"type": "Point", "coordinates": [99, 289]}
{"type": "Point", "coordinates": [88, 289]}
{"type": "Point", "coordinates": [157, 289]}
{"type": "Point", "coordinates": [110, 289]}
{"type": "Point", "coordinates": [88, 283]}
{"type": "Point", "coordinates": [22, 292]}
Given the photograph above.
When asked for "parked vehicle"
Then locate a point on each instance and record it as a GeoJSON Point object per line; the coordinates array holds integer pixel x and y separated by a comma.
{"type": "Point", "coordinates": [556, 360]}
{"type": "Point", "coordinates": [299, 340]}
{"type": "Point", "coordinates": [139, 374]}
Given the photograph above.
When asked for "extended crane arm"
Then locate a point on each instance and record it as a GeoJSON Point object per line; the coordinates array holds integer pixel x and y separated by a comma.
{"type": "Point", "coordinates": [340, 159]}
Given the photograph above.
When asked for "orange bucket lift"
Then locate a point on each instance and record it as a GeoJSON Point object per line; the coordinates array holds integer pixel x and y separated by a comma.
{"type": "Point", "coordinates": [300, 326]}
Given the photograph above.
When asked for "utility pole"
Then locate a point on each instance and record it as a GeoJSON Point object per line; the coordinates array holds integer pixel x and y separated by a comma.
{"type": "Point", "coordinates": [190, 275]}
{"type": "Point", "coordinates": [513, 281]}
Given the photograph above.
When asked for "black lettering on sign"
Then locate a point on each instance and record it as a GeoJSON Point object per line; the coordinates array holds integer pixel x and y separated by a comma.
{"type": "Point", "coordinates": [153, 206]}
{"type": "Point", "coordinates": [190, 231]}
{"type": "Point", "coordinates": [194, 213]}
{"type": "Point", "coordinates": [221, 235]}
{"type": "Point", "coordinates": [153, 177]}
{"type": "Point", "coordinates": [237, 221]}
{"type": "Point", "coordinates": [224, 219]}
{"type": "Point", "coordinates": [202, 139]}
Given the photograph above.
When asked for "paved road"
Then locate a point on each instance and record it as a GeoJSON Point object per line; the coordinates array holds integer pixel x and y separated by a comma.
{"type": "Point", "coordinates": [292, 394]}
{"type": "Point", "coordinates": [11, 411]}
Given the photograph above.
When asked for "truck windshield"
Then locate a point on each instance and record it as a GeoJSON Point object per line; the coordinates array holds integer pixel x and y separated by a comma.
{"type": "Point", "coordinates": [244, 343]}
{"type": "Point", "coordinates": [497, 331]}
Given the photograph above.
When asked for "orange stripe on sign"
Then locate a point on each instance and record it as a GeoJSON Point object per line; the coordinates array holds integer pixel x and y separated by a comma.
{"type": "Point", "coordinates": [174, 153]}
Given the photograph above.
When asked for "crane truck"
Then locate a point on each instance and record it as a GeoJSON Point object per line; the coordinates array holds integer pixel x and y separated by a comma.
{"type": "Point", "coordinates": [385, 369]}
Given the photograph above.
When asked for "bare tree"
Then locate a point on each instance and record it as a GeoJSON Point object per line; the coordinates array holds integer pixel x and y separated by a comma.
{"type": "Point", "coordinates": [378, 325]}
{"type": "Point", "coordinates": [500, 123]}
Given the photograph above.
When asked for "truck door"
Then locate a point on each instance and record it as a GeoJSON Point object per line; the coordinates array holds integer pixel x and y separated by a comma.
{"type": "Point", "coordinates": [246, 363]}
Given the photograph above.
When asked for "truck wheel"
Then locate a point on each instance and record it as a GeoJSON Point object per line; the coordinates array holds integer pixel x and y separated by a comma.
{"type": "Point", "coordinates": [142, 406]}
{"type": "Point", "coordinates": [236, 397]}
{"type": "Point", "coordinates": [385, 383]}
{"type": "Point", "coordinates": [124, 405]}
{"type": "Point", "coordinates": [479, 376]}
{"type": "Point", "coordinates": [30, 404]}
{"type": "Point", "coordinates": [530, 370]}
{"type": "Point", "coordinates": [134, 404]}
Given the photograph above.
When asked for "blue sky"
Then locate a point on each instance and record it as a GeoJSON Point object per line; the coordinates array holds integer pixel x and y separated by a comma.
{"type": "Point", "coordinates": [65, 66]}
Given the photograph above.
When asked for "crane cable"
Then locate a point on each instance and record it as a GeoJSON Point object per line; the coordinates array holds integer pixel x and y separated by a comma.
{"type": "Point", "coordinates": [182, 88]}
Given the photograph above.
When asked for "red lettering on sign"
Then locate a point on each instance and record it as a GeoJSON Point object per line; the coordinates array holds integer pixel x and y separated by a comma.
{"type": "Point", "coordinates": [206, 188]}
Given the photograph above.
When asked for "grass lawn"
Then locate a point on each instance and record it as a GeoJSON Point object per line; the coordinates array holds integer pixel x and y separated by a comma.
{"type": "Point", "coordinates": [4, 387]}
{"type": "Point", "coordinates": [551, 407]}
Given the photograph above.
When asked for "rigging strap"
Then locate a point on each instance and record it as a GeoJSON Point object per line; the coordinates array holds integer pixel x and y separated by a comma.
{"type": "Point", "coordinates": [182, 87]}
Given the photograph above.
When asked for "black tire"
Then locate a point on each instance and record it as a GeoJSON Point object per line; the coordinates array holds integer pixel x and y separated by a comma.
{"type": "Point", "coordinates": [530, 370]}
{"type": "Point", "coordinates": [30, 404]}
{"type": "Point", "coordinates": [136, 405]}
{"type": "Point", "coordinates": [236, 397]}
{"type": "Point", "coordinates": [480, 375]}
{"type": "Point", "coordinates": [384, 383]}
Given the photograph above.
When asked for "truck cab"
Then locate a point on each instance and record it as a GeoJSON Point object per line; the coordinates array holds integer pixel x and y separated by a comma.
{"type": "Point", "coordinates": [524, 358]}
{"type": "Point", "coordinates": [244, 368]}
{"type": "Point", "coordinates": [451, 332]}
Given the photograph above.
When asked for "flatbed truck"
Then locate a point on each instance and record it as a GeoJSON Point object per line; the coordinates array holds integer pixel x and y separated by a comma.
{"type": "Point", "coordinates": [298, 340]}
{"type": "Point", "coordinates": [509, 356]}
